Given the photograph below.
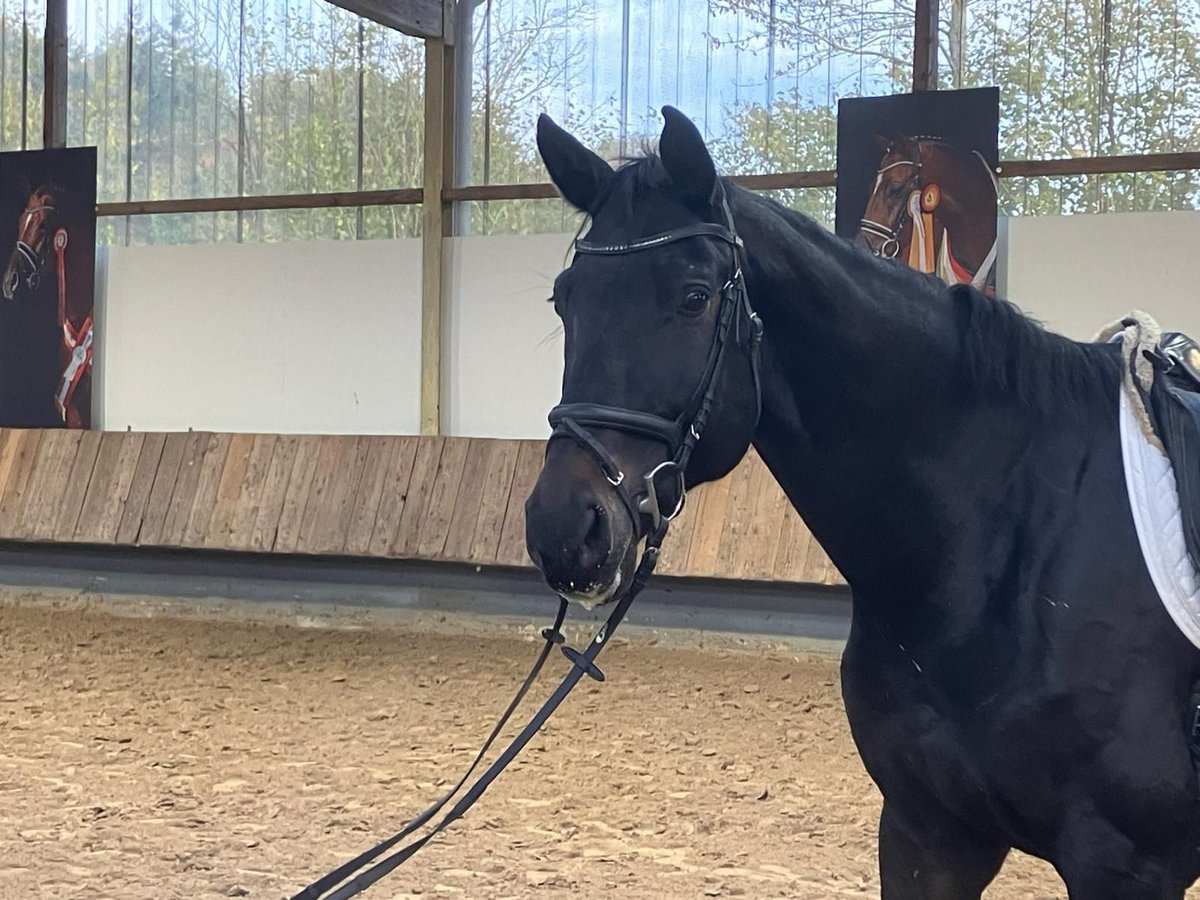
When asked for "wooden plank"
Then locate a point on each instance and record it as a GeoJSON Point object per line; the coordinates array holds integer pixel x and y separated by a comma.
{"type": "Point", "coordinates": [326, 470]}
{"type": "Point", "coordinates": [140, 488]}
{"type": "Point", "coordinates": [512, 550]}
{"type": "Point", "coordinates": [819, 568]}
{"type": "Point", "coordinates": [341, 513]}
{"type": "Point", "coordinates": [183, 494]}
{"type": "Point", "coordinates": [339, 466]}
{"type": "Point", "coordinates": [274, 493]}
{"type": "Point", "coordinates": [816, 564]}
{"type": "Point", "coordinates": [328, 200]}
{"type": "Point", "coordinates": [493, 501]}
{"type": "Point", "coordinates": [249, 500]}
{"type": "Point", "coordinates": [152, 529]}
{"type": "Point", "coordinates": [739, 514]}
{"type": "Point", "coordinates": [1101, 165]}
{"type": "Point", "coordinates": [19, 528]}
{"type": "Point", "coordinates": [104, 503]}
{"type": "Point", "coordinates": [768, 525]}
{"type": "Point", "coordinates": [127, 462]}
{"type": "Point", "coordinates": [709, 528]}
{"type": "Point", "coordinates": [416, 501]}
{"type": "Point", "coordinates": [679, 537]}
{"type": "Point", "coordinates": [754, 555]}
{"type": "Point", "coordinates": [101, 486]}
{"type": "Point", "coordinates": [435, 524]}
{"type": "Point", "coordinates": [211, 466]}
{"type": "Point", "coordinates": [393, 496]}
{"type": "Point", "coordinates": [769, 181]}
{"type": "Point", "coordinates": [51, 476]}
{"type": "Point", "coordinates": [10, 442]}
{"type": "Point", "coordinates": [12, 503]}
{"type": "Point", "coordinates": [48, 479]}
{"type": "Point", "coordinates": [420, 18]}
{"type": "Point", "coordinates": [791, 551]}
{"type": "Point", "coordinates": [368, 492]}
{"type": "Point", "coordinates": [461, 532]}
{"type": "Point", "coordinates": [291, 516]}
{"type": "Point", "coordinates": [229, 491]}
{"type": "Point", "coordinates": [78, 482]}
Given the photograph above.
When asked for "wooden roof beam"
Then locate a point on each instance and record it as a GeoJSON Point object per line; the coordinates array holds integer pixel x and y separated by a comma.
{"type": "Point", "coordinates": [420, 18]}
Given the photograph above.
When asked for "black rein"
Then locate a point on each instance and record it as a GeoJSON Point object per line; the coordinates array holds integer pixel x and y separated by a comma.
{"type": "Point", "coordinates": [572, 421]}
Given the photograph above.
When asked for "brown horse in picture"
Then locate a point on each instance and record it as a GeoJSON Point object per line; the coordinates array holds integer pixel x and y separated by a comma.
{"type": "Point", "coordinates": [40, 255]}
{"type": "Point", "coordinates": [924, 209]}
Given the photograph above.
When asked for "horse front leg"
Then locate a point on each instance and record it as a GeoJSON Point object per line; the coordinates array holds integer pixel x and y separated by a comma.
{"type": "Point", "coordinates": [932, 861]}
{"type": "Point", "coordinates": [1099, 862]}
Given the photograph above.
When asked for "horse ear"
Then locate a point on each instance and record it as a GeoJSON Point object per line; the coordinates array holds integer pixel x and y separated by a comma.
{"type": "Point", "coordinates": [882, 142]}
{"type": "Point", "coordinates": [686, 158]}
{"type": "Point", "coordinates": [580, 175]}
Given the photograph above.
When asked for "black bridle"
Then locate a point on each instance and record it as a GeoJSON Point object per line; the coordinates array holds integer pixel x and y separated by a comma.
{"type": "Point", "coordinates": [681, 434]}
{"type": "Point", "coordinates": [890, 236]}
{"type": "Point", "coordinates": [572, 420]}
{"type": "Point", "coordinates": [29, 261]}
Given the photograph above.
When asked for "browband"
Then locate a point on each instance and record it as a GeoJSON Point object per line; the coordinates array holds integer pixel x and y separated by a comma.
{"type": "Point", "coordinates": [709, 229]}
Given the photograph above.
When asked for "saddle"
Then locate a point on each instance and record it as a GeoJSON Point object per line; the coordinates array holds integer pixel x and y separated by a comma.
{"type": "Point", "coordinates": [1163, 371]}
{"type": "Point", "coordinates": [1174, 410]}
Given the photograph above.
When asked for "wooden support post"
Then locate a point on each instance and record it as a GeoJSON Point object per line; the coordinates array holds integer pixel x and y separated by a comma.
{"type": "Point", "coordinates": [925, 46]}
{"type": "Point", "coordinates": [435, 224]}
{"type": "Point", "coordinates": [54, 110]}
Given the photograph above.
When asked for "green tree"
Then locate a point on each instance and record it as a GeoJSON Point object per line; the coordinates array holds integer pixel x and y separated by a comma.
{"type": "Point", "coordinates": [1088, 79]}
{"type": "Point", "coordinates": [1077, 79]}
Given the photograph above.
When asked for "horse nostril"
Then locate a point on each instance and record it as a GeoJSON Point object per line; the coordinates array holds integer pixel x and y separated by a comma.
{"type": "Point", "coordinates": [597, 542]}
{"type": "Point", "coordinates": [599, 528]}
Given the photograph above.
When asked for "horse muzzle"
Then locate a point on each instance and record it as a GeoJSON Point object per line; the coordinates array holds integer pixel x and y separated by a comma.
{"type": "Point", "coordinates": [578, 533]}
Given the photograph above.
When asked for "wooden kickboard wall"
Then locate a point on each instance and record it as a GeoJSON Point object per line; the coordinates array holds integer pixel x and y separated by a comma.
{"type": "Point", "coordinates": [429, 498]}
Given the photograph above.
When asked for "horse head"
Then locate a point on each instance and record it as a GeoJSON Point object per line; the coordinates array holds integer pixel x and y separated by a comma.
{"type": "Point", "coordinates": [660, 348]}
{"type": "Point", "coordinates": [33, 232]}
{"type": "Point", "coordinates": [898, 176]}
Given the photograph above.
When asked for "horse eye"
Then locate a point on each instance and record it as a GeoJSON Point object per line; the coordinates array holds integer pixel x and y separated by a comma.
{"type": "Point", "coordinates": [695, 301]}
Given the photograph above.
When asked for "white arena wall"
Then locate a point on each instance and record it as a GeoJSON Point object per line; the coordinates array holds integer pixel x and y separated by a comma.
{"type": "Point", "coordinates": [324, 337]}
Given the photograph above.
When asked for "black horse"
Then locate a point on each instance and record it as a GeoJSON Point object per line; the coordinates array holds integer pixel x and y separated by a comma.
{"type": "Point", "coordinates": [1011, 677]}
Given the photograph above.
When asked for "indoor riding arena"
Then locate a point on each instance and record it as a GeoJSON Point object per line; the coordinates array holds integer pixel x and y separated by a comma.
{"type": "Point", "coordinates": [344, 343]}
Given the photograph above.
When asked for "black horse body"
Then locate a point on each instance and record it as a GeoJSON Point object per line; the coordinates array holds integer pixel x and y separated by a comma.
{"type": "Point", "coordinates": [1011, 677]}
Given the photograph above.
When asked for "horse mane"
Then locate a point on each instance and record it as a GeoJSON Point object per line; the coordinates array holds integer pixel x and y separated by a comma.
{"type": "Point", "coordinates": [1006, 354]}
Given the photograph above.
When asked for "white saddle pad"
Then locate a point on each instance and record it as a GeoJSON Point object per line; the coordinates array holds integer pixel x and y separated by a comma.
{"type": "Point", "coordinates": [1151, 486]}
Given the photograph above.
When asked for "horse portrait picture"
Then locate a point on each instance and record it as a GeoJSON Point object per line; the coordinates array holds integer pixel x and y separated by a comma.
{"type": "Point", "coordinates": [917, 181]}
{"type": "Point", "coordinates": [48, 223]}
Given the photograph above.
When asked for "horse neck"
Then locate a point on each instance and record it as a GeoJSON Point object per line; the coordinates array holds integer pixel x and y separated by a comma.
{"type": "Point", "coordinates": [867, 423]}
